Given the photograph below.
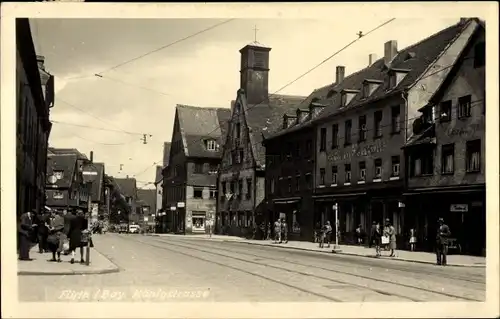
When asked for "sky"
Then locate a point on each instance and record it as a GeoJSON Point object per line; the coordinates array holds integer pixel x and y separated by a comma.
{"type": "Point", "coordinates": [109, 114]}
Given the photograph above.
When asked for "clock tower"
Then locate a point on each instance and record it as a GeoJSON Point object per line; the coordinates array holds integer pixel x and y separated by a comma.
{"type": "Point", "coordinates": [254, 73]}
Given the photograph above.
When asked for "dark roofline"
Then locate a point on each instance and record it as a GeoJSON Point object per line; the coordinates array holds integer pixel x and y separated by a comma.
{"type": "Point", "coordinates": [201, 108]}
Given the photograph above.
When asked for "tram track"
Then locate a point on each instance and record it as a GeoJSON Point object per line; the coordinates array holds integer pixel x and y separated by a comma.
{"type": "Point", "coordinates": [167, 245]}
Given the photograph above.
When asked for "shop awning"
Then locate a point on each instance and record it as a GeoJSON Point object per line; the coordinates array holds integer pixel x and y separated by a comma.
{"type": "Point", "coordinates": [330, 197]}
{"type": "Point", "coordinates": [442, 190]}
{"type": "Point", "coordinates": [289, 200]}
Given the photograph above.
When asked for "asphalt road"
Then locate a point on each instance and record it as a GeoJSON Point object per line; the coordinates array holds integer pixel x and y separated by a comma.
{"type": "Point", "coordinates": [190, 269]}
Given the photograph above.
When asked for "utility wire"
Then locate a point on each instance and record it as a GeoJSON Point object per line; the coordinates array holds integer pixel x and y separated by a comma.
{"type": "Point", "coordinates": [302, 75]}
{"type": "Point", "coordinates": [107, 144]}
{"type": "Point", "coordinates": [131, 84]}
{"type": "Point", "coordinates": [90, 114]}
{"type": "Point", "coordinates": [95, 128]}
{"type": "Point", "coordinates": [166, 46]}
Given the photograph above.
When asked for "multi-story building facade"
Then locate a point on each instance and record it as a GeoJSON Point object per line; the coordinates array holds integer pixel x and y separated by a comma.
{"type": "Point", "coordinates": [126, 193]}
{"type": "Point", "coordinates": [35, 96]}
{"type": "Point", "coordinates": [147, 199]}
{"type": "Point", "coordinates": [66, 187]}
{"type": "Point", "coordinates": [189, 181]}
{"type": "Point", "coordinates": [254, 114]}
{"type": "Point", "coordinates": [366, 119]}
{"type": "Point", "coordinates": [446, 156]}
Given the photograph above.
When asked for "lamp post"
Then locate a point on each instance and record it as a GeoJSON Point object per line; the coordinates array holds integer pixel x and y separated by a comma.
{"type": "Point", "coordinates": [336, 248]}
{"type": "Point", "coordinates": [89, 205]}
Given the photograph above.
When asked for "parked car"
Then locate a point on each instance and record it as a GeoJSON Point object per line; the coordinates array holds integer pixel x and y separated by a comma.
{"type": "Point", "coordinates": [123, 228]}
{"type": "Point", "coordinates": [134, 229]}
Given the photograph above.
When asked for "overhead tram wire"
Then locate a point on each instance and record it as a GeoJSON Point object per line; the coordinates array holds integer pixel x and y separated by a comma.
{"type": "Point", "coordinates": [304, 74]}
{"type": "Point", "coordinates": [96, 128]}
{"type": "Point", "coordinates": [151, 52]}
{"type": "Point", "coordinates": [131, 84]}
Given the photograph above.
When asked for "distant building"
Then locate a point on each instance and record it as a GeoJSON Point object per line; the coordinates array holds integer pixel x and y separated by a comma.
{"type": "Point", "coordinates": [126, 189]}
{"type": "Point", "coordinates": [255, 114]}
{"type": "Point", "coordinates": [35, 96]}
{"type": "Point", "coordinates": [189, 182]}
{"type": "Point", "coordinates": [446, 171]}
{"type": "Point", "coordinates": [65, 188]}
{"type": "Point", "coordinates": [147, 207]}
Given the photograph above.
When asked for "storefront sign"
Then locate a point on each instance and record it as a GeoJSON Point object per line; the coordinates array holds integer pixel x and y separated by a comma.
{"type": "Point", "coordinates": [181, 205]}
{"type": "Point", "coordinates": [357, 151]}
{"type": "Point", "coordinates": [468, 131]}
{"type": "Point", "coordinates": [173, 208]}
{"type": "Point", "coordinates": [459, 208]}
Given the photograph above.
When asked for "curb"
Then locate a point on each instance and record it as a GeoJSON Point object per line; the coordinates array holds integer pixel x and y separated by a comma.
{"type": "Point", "coordinates": [345, 253]}
{"type": "Point", "coordinates": [69, 273]}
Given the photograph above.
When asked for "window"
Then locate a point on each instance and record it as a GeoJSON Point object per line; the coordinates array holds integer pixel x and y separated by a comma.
{"type": "Point", "coordinates": [464, 105]}
{"type": "Point", "coordinates": [58, 195]}
{"type": "Point", "coordinates": [348, 127]}
{"type": "Point", "coordinates": [362, 171]}
{"type": "Point", "coordinates": [366, 90]}
{"type": "Point", "coordinates": [308, 180]}
{"type": "Point", "coordinates": [272, 185]}
{"type": "Point", "coordinates": [212, 194]}
{"type": "Point", "coordinates": [211, 145]}
{"type": "Point", "coordinates": [297, 182]}
{"type": "Point", "coordinates": [445, 111]}
{"type": "Point", "coordinates": [231, 187]}
{"type": "Point", "coordinates": [362, 128]}
{"type": "Point", "coordinates": [321, 176]}
{"type": "Point", "coordinates": [238, 130]}
{"type": "Point", "coordinates": [212, 169]}
{"type": "Point", "coordinates": [249, 188]}
{"type": "Point", "coordinates": [378, 124]}
{"type": "Point", "coordinates": [58, 174]}
{"type": "Point", "coordinates": [322, 139]}
{"type": "Point", "coordinates": [447, 158]}
{"type": "Point", "coordinates": [423, 164]}
{"type": "Point", "coordinates": [289, 184]}
{"type": "Point", "coordinates": [335, 136]}
{"type": "Point", "coordinates": [334, 175]}
{"type": "Point", "coordinates": [396, 119]}
{"type": "Point", "coordinates": [198, 193]}
{"type": "Point", "coordinates": [479, 54]}
{"type": "Point", "coordinates": [473, 150]}
{"type": "Point", "coordinates": [395, 166]}
{"type": "Point", "coordinates": [224, 188]}
{"type": "Point", "coordinates": [378, 169]}
{"type": "Point", "coordinates": [308, 148]}
{"type": "Point", "coordinates": [198, 168]}
{"type": "Point", "coordinates": [240, 155]}
{"type": "Point", "coordinates": [240, 188]}
{"type": "Point", "coordinates": [347, 173]}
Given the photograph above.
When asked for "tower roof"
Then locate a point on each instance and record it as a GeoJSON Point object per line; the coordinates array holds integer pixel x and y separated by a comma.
{"type": "Point", "coordinates": [255, 44]}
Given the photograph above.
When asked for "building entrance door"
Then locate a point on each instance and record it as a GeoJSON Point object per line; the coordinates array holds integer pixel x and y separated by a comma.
{"type": "Point", "coordinates": [199, 219]}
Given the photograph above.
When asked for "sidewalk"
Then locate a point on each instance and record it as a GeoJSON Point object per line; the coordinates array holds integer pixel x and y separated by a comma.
{"type": "Point", "coordinates": [40, 265]}
{"type": "Point", "coordinates": [401, 255]}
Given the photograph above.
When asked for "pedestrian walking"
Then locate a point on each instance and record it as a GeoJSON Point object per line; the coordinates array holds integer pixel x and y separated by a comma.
{"type": "Point", "coordinates": [390, 232]}
{"type": "Point", "coordinates": [376, 236]}
{"type": "Point", "coordinates": [77, 224]}
{"type": "Point", "coordinates": [24, 230]}
{"type": "Point", "coordinates": [56, 236]}
{"type": "Point", "coordinates": [277, 231]}
{"type": "Point", "coordinates": [442, 236]}
{"type": "Point", "coordinates": [268, 231]}
{"type": "Point", "coordinates": [359, 234]}
{"type": "Point", "coordinates": [284, 231]}
{"type": "Point", "coordinates": [327, 237]}
{"type": "Point", "coordinates": [374, 226]}
{"type": "Point", "coordinates": [43, 221]}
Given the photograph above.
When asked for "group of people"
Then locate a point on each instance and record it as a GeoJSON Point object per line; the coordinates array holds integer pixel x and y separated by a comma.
{"type": "Point", "coordinates": [56, 232]}
{"type": "Point", "coordinates": [280, 231]}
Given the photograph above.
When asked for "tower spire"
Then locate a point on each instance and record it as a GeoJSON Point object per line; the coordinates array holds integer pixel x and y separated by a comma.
{"type": "Point", "coordinates": [255, 33]}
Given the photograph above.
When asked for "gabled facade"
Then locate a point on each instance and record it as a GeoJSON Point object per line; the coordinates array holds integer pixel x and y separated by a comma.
{"type": "Point", "coordinates": [255, 114]}
{"type": "Point", "coordinates": [368, 118]}
{"type": "Point", "coordinates": [35, 97]}
{"type": "Point", "coordinates": [189, 181]}
{"type": "Point", "coordinates": [147, 200]}
{"type": "Point", "coordinates": [446, 156]}
{"type": "Point", "coordinates": [126, 189]}
{"type": "Point", "coordinates": [65, 188]}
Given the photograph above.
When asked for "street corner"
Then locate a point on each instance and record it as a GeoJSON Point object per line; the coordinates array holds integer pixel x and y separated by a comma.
{"type": "Point", "coordinates": [40, 265]}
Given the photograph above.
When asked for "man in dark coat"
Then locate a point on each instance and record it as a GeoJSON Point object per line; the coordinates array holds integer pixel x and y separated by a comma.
{"type": "Point", "coordinates": [43, 232]}
{"type": "Point", "coordinates": [443, 233]}
{"type": "Point", "coordinates": [25, 227]}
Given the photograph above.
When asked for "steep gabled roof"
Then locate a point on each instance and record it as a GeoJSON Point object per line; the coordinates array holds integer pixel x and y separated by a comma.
{"type": "Point", "coordinates": [416, 58]}
{"type": "Point", "coordinates": [148, 196]}
{"type": "Point", "coordinates": [127, 186]}
{"type": "Point", "coordinates": [65, 163]}
{"type": "Point", "coordinates": [97, 181]}
{"type": "Point", "coordinates": [198, 124]}
{"type": "Point", "coordinates": [67, 151]}
{"type": "Point", "coordinates": [265, 118]}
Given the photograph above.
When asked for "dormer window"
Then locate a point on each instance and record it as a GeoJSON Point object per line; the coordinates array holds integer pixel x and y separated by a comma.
{"type": "Point", "coordinates": [211, 145]}
{"type": "Point", "coordinates": [301, 115]}
{"type": "Point", "coordinates": [58, 174]}
{"type": "Point", "coordinates": [369, 86]}
{"type": "Point", "coordinates": [396, 76]}
{"type": "Point", "coordinates": [347, 96]}
{"type": "Point", "coordinates": [315, 108]}
{"type": "Point", "coordinates": [291, 120]}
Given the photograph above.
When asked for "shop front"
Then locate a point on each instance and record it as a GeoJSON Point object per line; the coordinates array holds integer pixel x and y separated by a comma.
{"type": "Point", "coordinates": [463, 210]}
{"type": "Point", "coordinates": [289, 209]}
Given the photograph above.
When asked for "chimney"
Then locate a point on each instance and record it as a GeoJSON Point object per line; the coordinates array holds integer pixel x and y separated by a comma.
{"type": "Point", "coordinates": [390, 51]}
{"type": "Point", "coordinates": [91, 156]}
{"type": "Point", "coordinates": [339, 74]}
{"type": "Point", "coordinates": [371, 58]}
{"type": "Point", "coordinates": [40, 59]}
{"type": "Point", "coordinates": [127, 176]}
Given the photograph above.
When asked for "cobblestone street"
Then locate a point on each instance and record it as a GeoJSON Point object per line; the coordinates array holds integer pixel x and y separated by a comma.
{"type": "Point", "coordinates": [183, 269]}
